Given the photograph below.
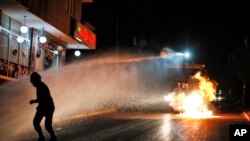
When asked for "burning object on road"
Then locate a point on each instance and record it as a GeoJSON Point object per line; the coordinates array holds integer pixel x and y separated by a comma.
{"type": "Point", "coordinates": [194, 100]}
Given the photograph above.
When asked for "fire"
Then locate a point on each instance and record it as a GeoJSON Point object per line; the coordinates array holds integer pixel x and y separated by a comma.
{"type": "Point", "coordinates": [194, 101]}
{"type": "Point", "coordinates": [206, 87]}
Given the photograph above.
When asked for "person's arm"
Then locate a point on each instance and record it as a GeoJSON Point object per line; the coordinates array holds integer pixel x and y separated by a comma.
{"type": "Point", "coordinates": [33, 101]}
{"type": "Point", "coordinates": [43, 94]}
{"type": "Point", "coordinates": [38, 99]}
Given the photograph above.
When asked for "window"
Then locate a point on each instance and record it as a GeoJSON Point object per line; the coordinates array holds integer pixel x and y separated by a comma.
{"type": "Point", "coordinates": [24, 54]}
{"type": "Point", "coordinates": [4, 41]}
{"type": "Point", "coordinates": [5, 21]}
{"type": "Point", "coordinates": [14, 50]}
{"type": "Point", "coordinates": [15, 27]}
{"type": "Point", "coordinates": [14, 55]}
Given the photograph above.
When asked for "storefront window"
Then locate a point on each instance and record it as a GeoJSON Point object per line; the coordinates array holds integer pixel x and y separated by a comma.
{"type": "Point", "coordinates": [51, 60]}
{"type": "Point", "coordinates": [14, 56]}
{"type": "Point", "coordinates": [4, 41]}
{"type": "Point", "coordinates": [15, 27]}
{"type": "Point", "coordinates": [24, 54]}
{"type": "Point", "coordinates": [14, 50]}
{"type": "Point", "coordinates": [5, 23]}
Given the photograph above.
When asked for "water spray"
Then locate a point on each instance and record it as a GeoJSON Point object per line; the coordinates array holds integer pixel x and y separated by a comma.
{"type": "Point", "coordinates": [90, 85]}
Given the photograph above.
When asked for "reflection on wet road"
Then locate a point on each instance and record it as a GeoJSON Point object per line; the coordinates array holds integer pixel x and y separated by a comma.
{"type": "Point", "coordinates": [136, 126]}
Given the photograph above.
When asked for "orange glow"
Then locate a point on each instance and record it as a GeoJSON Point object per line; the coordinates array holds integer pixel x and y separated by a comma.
{"type": "Point", "coordinates": [206, 88]}
{"type": "Point", "coordinates": [194, 106]}
{"type": "Point", "coordinates": [193, 103]}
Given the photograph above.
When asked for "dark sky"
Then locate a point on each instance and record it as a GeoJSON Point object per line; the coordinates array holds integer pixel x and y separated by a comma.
{"type": "Point", "coordinates": [209, 30]}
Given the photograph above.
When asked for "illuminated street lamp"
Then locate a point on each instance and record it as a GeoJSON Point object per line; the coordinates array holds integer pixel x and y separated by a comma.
{"type": "Point", "coordinates": [77, 53]}
{"type": "Point", "coordinates": [20, 39]}
{"type": "Point", "coordinates": [59, 48]}
{"type": "Point", "coordinates": [42, 39]}
{"type": "Point", "coordinates": [24, 28]}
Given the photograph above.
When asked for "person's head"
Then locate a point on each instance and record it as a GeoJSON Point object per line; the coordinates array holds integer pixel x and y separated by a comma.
{"type": "Point", "coordinates": [35, 78]}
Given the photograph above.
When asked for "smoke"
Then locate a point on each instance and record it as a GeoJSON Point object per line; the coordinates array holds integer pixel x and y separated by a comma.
{"type": "Point", "coordinates": [102, 82]}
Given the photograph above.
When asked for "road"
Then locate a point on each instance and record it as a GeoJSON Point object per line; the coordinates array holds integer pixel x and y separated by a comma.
{"type": "Point", "coordinates": [141, 126]}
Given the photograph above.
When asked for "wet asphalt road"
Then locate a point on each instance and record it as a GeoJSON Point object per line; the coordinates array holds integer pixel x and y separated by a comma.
{"type": "Point", "coordinates": [139, 126]}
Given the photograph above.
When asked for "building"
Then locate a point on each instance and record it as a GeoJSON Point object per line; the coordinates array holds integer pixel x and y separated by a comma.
{"type": "Point", "coordinates": [57, 20]}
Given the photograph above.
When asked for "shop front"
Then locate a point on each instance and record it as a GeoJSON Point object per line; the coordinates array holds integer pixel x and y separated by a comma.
{"type": "Point", "coordinates": [14, 48]}
{"type": "Point", "coordinates": [22, 53]}
{"type": "Point", "coordinates": [43, 46]}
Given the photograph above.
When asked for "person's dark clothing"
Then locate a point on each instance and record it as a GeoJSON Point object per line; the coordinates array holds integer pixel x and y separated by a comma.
{"type": "Point", "coordinates": [48, 122]}
{"type": "Point", "coordinates": [45, 107]}
{"type": "Point", "coordinates": [44, 98]}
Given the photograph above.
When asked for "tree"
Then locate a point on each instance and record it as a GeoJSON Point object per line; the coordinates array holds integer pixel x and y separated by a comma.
{"type": "Point", "coordinates": [239, 64]}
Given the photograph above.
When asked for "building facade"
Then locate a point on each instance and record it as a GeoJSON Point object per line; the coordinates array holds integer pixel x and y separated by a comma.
{"type": "Point", "coordinates": [58, 20]}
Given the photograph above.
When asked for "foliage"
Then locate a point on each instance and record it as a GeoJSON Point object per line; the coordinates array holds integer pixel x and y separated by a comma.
{"type": "Point", "coordinates": [239, 62]}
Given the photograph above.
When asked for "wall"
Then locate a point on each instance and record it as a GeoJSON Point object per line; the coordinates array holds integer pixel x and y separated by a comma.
{"type": "Point", "coordinates": [56, 12]}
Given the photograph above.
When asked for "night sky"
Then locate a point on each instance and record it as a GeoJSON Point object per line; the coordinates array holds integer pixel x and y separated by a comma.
{"type": "Point", "coordinates": [209, 30]}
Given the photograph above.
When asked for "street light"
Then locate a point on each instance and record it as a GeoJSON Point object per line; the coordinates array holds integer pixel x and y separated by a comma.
{"type": "Point", "coordinates": [20, 39]}
{"type": "Point", "coordinates": [24, 28]}
{"type": "Point", "coordinates": [77, 53]}
{"type": "Point", "coordinates": [59, 48]}
{"type": "Point", "coordinates": [42, 39]}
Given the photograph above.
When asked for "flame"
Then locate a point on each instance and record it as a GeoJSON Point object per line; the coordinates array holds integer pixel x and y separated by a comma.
{"type": "Point", "coordinates": [206, 87]}
{"type": "Point", "coordinates": [194, 102]}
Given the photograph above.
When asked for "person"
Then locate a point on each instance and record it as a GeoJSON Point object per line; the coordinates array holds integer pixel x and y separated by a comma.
{"type": "Point", "coordinates": [45, 107]}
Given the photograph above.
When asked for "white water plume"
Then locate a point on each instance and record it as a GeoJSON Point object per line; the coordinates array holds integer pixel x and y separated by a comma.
{"type": "Point", "coordinates": [90, 85]}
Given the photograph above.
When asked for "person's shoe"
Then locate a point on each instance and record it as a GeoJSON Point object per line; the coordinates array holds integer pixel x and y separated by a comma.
{"type": "Point", "coordinates": [41, 139]}
{"type": "Point", "coordinates": [53, 138]}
